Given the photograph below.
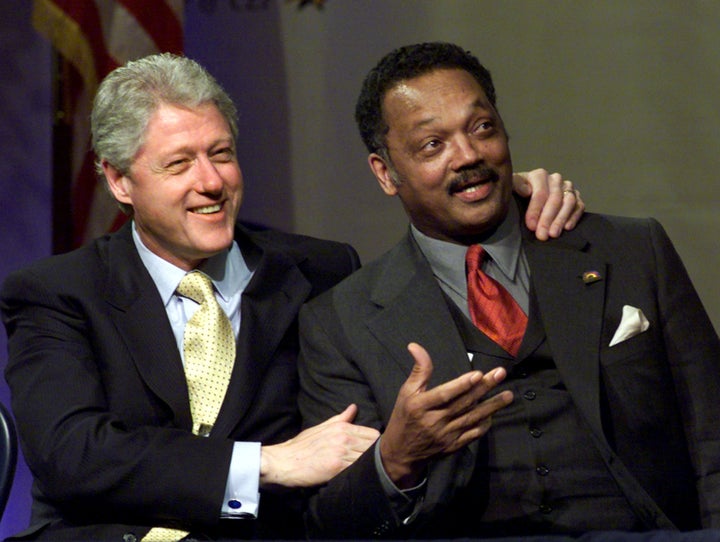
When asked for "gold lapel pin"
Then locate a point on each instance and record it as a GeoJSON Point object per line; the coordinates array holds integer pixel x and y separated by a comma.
{"type": "Point", "coordinates": [589, 277]}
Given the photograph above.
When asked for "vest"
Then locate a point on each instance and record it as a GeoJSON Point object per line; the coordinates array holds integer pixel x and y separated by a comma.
{"type": "Point", "coordinates": [538, 470]}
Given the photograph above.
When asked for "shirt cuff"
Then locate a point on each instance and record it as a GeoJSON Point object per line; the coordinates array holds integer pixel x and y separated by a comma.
{"type": "Point", "coordinates": [242, 492]}
{"type": "Point", "coordinates": [405, 502]}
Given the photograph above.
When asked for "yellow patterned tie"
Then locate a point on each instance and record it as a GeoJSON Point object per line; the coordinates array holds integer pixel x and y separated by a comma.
{"type": "Point", "coordinates": [209, 346]}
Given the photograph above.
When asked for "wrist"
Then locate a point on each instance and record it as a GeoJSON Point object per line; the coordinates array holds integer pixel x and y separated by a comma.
{"type": "Point", "coordinates": [268, 474]}
{"type": "Point", "coordinates": [404, 473]}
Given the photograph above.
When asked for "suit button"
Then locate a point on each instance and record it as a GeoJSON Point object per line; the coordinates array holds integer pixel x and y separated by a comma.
{"type": "Point", "coordinates": [545, 508]}
{"type": "Point", "coordinates": [542, 470]}
{"type": "Point", "coordinates": [535, 432]}
{"type": "Point", "coordinates": [530, 395]}
{"type": "Point", "coordinates": [381, 529]}
{"type": "Point", "coordinates": [129, 537]}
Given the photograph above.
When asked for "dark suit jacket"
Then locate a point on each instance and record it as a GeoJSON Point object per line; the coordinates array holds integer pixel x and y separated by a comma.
{"type": "Point", "coordinates": [651, 402]}
{"type": "Point", "coordinates": [100, 398]}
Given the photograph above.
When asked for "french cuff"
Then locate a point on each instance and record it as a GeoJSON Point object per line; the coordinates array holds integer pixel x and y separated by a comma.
{"type": "Point", "coordinates": [406, 503]}
{"type": "Point", "coordinates": [242, 492]}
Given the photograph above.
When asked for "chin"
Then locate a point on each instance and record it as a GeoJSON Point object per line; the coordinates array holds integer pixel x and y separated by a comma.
{"type": "Point", "coordinates": [210, 247]}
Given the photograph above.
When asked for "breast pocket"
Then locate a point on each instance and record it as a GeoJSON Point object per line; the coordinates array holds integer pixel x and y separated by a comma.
{"type": "Point", "coordinates": [637, 379]}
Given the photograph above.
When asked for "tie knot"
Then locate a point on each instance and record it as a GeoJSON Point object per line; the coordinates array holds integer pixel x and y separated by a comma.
{"type": "Point", "coordinates": [196, 286]}
{"type": "Point", "coordinates": [474, 257]}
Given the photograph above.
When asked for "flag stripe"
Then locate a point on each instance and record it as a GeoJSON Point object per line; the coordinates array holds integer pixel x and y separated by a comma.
{"type": "Point", "coordinates": [124, 38]}
{"type": "Point", "coordinates": [160, 22]}
{"type": "Point", "coordinates": [96, 36]}
{"type": "Point", "coordinates": [65, 27]}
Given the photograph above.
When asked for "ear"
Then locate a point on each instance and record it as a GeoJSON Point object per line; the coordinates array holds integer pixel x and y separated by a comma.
{"type": "Point", "coordinates": [382, 173]}
{"type": "Point", "coordinates": [117, 183]}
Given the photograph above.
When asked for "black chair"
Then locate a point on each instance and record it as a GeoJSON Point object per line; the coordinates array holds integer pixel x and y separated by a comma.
{"type": "Point", "coordinates": [8, 455]}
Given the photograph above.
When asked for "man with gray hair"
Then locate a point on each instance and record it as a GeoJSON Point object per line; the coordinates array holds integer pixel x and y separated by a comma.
{"type": "Point", "coordinates": [153, 372]}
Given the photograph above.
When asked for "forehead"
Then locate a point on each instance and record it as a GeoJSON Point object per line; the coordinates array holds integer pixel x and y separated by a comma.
{"type": "Point", "coordinates": [422, 100]}
{"type": "Point", "coordinates": [171, 118]}
{"type": "Point", "coordinates": [173, 125]}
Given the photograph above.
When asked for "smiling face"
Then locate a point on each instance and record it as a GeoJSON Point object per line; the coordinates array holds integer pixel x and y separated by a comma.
{"type": "Point", "coordinates": [449, 160]}
{"type": "Point", "coordinates": [184, 185]}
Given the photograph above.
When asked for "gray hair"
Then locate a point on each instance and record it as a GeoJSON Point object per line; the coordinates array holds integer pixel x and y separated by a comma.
{"type": "Point", "coordinates": [130, 94]}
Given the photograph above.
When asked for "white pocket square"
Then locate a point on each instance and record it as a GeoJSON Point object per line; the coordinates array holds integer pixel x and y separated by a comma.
{"type": "Point", "coordinates": [633, 323]}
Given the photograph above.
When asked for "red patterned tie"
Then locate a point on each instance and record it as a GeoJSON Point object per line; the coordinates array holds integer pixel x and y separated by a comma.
{"type": "Point", "coordinates": [492, 309]}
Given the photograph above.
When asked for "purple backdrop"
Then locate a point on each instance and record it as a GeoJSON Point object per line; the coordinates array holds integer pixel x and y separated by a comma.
{"type": "Point", "coordinates": [240, 46]}
{"type": "Point", "coordinates": [25, 191]}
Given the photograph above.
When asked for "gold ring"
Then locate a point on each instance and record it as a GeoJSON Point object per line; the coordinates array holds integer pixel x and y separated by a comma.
{"type": "Point", "coordinates": [568, 191]}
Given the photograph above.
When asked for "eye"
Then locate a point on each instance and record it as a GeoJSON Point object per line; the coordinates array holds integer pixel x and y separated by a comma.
{"type": "Point", "coordinates": [484, 128]}
{"type": "Point", "coordinates": [431, 146]}
{"type": "Point", "coordinates": [177, 166]}
{"type": "Point", "coordinates": [223, 154]}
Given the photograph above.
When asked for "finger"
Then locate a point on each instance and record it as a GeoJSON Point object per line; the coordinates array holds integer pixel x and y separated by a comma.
{"type": "Point", "coordinates": [535, 185]}
{"type": "Point", "coordinates": [482, 411]}
{"type": "Point", "coordinates": [577, 212]}
{"type": "Point", "coordinates": [421, 371]}
{"type": "Point", "coordinates": [472, 425]}
{"type": "Point", "coordinates": [458, 396]}
{"type": "Point", "coordinates": [521, 185]}
{"type": "Point", "coordinates": [553, 207]}
{"type": "Point", "coordinates": [473, 433]}
{"type": "Point", "coordinates": [568, 205]}
{"type": "Point", "coordinates": [483, 383]}
{"type": "Point", "coordinates": [490, 406]}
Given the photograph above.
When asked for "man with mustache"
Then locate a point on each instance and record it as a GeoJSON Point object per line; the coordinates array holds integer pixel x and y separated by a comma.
{"type": "Point", "coordinates": [546, 389]}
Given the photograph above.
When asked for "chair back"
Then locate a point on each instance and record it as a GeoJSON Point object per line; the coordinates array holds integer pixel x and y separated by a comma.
{"type": "Point", "coordinates": [8, 455]}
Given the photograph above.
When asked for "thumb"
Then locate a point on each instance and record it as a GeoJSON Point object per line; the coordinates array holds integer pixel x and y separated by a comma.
{"type": "Point", "coordinates": [421, 371]}
{"type": "Point", "coordinates": [347, 415]}
{"type": "Point", "coordinates": [521, 184]}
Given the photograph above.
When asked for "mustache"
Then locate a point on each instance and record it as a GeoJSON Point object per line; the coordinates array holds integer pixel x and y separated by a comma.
{"type": "Point", "coordinates": [473, 174]}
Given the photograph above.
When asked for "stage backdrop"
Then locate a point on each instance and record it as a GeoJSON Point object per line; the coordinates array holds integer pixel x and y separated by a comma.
{"type": "Point", "coordinates": [619, 96]}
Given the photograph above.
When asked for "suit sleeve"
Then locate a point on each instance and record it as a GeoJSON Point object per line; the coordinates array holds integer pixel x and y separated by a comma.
{"type": "Point", "coordinates": [99, 457]}
{"type": "Point", "coordinates": [354, 503]}
{"type": "Point", "coordinates": [694, 353]}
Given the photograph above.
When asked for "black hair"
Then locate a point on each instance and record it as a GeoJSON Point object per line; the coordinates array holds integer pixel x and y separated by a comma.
{"type": "Point", "coordinates": [405, 63]}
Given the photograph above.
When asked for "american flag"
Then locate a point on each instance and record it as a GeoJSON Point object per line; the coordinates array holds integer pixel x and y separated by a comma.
{"type": "Point", "coordinates": [95, 37]}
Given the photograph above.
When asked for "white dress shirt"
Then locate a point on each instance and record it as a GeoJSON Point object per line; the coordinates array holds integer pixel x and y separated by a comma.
{"type": "Point", "coordinates": [230, 275]}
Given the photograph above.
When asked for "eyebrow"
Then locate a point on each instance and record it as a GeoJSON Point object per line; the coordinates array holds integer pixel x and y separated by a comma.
{"type": "Point", "coordinates": [189, 149]}
{"type": "Point", "coordinates": [477, 104]}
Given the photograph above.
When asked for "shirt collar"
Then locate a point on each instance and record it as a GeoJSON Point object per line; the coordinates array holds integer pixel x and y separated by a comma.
{"type": "Point", "coordinates": [227, 270]}
{"type": "Point", "coordinates": [448, 259]}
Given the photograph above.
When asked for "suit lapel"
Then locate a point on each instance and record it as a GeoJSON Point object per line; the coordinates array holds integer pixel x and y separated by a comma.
{"type": "Point", "coordinates": [572, 313]}
{"type": "Point", "coordinates": [141, 320]}
{"type": "Point", "coordinates": [412, 308]}
{"type": "Point", "coordinates": [269, 307]}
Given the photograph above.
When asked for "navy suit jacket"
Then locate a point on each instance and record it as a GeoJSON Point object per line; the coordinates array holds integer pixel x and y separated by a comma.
{"type": "Point", "coordinates": [651, 402]}
{"type": "Point", "coordinates": [100, 398]}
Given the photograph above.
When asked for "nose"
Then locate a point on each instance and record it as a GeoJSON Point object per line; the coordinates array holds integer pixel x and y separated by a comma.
{"type": "Point", "coordinates": [208, 178]}
{"type": "Point", "coordinates": [467, 152]}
